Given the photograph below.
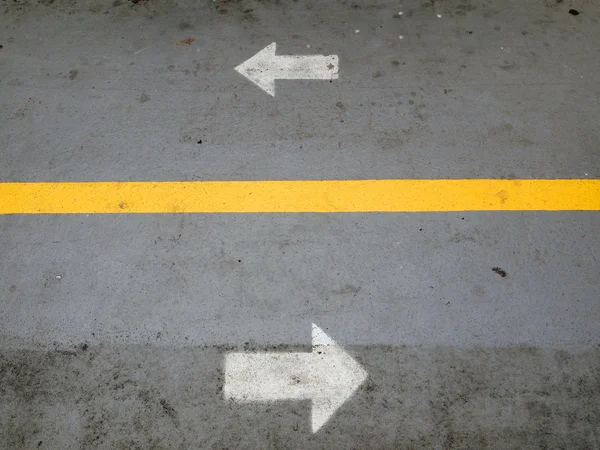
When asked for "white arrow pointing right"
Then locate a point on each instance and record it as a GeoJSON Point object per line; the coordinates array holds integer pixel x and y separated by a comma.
{"type": "Point", "coordinates": [328, 376]}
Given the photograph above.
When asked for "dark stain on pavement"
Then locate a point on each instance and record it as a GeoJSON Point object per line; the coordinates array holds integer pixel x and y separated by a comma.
{"type": "Point", "coordinates": [347, 289]}
{"type": "Point", "coordinates": [168, 409]}
{"type": "Point", "coordinates": [499, 271]}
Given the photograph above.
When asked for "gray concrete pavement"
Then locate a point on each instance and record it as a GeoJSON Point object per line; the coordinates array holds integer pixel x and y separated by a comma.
{"type": "Point", "coordinates": [506, 104]}
{"type": "Point", "coordinates": [158, 397]}
{"type": "Point", "coordinates": [392, 279]}
{"type": "Point", "coordinates": [113, 329]}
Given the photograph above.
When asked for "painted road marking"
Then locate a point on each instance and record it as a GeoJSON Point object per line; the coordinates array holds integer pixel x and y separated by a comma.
{"type": "Point", "coordinates": [295, 196]}
{"type": "Point", "coordinates": [327, 376]}
{"type": "Point", "coordinates": [265, 67]}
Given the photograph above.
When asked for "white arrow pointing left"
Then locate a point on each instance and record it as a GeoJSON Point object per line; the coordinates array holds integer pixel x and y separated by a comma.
{"type": "Point", "coordinates": [265, 67]}
{"type": "Point", "coordinates": [327, 376]}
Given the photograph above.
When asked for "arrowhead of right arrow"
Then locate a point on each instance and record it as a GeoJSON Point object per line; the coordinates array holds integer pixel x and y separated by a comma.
{"type": "Point", "coordinates": [259, 69]}
{"type": "Point", "coordinates": [337, 376]}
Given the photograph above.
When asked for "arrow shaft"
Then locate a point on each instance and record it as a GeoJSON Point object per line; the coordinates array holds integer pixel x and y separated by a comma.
{"type": "Point", "coordinates": [261, 377]}
{"type": "Point", "coordinates": [311, 67]}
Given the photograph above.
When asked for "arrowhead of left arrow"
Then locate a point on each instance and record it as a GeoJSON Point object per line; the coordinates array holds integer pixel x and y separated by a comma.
{"type": "Point", "coordinates": [258, 69]}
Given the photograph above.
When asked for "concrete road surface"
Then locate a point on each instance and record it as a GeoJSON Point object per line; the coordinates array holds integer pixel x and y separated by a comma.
{"type": "Point", "coordinates": [475, 330]}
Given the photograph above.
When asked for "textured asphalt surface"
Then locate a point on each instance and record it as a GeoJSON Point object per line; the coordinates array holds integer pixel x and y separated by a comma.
{"type": "Point", "coordinates": [113, 329]}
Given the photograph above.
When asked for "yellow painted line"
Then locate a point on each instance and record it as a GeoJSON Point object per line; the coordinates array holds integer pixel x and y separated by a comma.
{"type": "Point", "coordinates": [296, 196]}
